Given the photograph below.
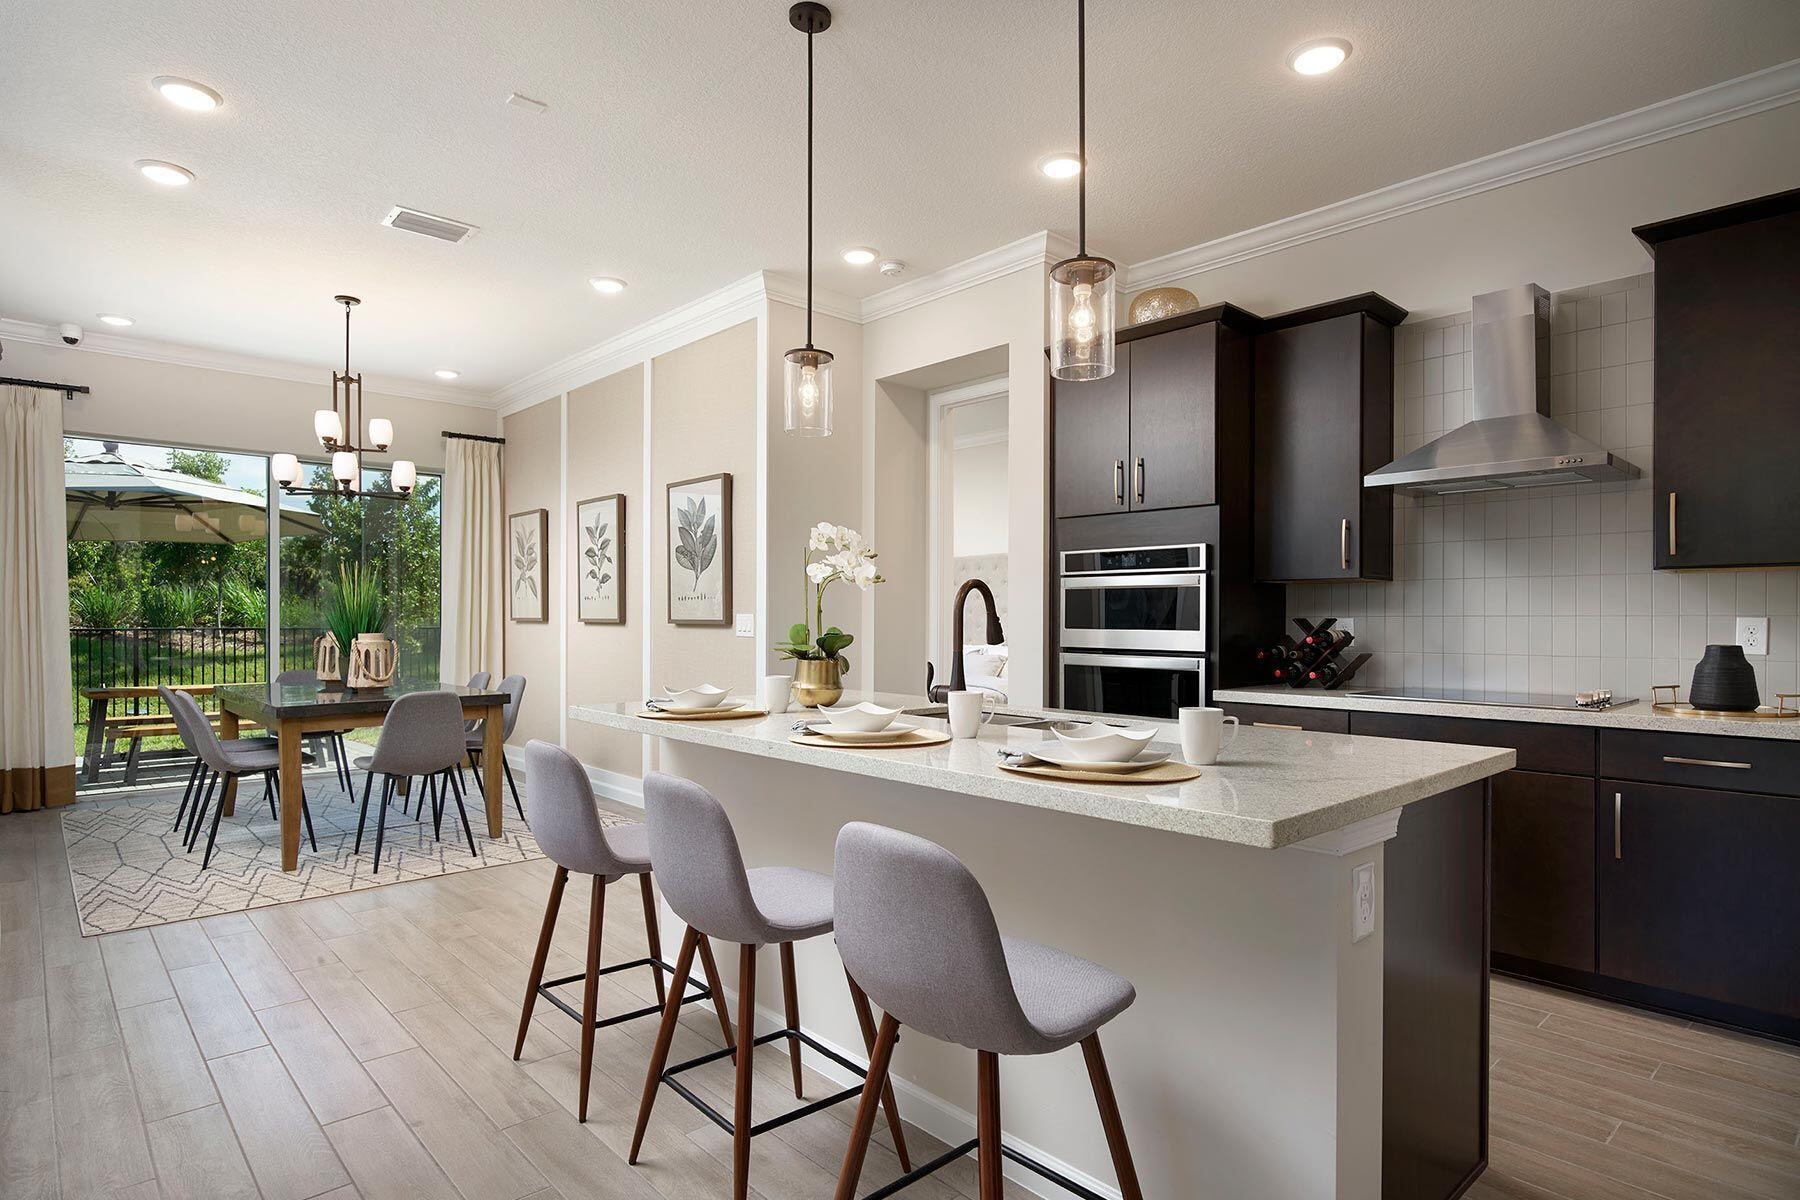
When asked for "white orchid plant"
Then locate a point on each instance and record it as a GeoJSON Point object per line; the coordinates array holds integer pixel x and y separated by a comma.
{"type": "Point", "coordinates": [833, 552]}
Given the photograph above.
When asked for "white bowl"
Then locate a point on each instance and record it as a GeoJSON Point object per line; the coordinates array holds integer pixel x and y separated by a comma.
{"type": "Point", "coordinates": [861, 718]}
{"type": "Point", "coordinates": [1105, 743]}
{"type": "Point", "coordinates": [704, 696]}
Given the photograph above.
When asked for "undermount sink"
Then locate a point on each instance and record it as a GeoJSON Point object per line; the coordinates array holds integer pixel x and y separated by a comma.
{"type": "Point", "coordinates": [1013, 719]}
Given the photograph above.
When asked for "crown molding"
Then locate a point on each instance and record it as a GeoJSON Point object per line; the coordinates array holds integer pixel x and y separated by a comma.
{"type": "Point", "coordinates": [1035, 250]}
{"type": "Point", "coordinates": [224, 360]}
{"type": "Point", "coordinates": [783, 288]}
{"type": "Point", "coordinates": [1715, 105]}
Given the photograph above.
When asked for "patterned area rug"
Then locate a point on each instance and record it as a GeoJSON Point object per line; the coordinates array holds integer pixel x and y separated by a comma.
{"type": "Point", "coordinates": [129, 870]}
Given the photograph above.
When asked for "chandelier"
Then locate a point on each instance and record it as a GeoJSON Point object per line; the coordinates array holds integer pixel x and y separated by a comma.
{"type": "Point", "coordinates": [336, 427]}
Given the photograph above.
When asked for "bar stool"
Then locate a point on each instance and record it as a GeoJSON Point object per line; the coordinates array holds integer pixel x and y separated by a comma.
{"type": "Point", "coordinates": [568, 830]}
{"type": "Point", "coordinates": [703, 878]}
{"type": "Point", "coordinates": [915, 929]}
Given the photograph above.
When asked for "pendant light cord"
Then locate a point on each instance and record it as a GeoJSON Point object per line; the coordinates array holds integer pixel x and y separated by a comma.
{"type": "Point", "coordinates": [1081, 114]}
{"type": "Point", "coordinates": [809, 188]}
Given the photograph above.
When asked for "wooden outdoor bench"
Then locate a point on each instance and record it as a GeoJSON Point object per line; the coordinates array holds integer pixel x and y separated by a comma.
{"type": "Point", "coordinates": [105, 732]}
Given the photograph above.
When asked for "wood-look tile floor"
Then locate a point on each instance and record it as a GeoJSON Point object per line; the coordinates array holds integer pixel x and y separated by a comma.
{"type": "Point", "coordinates": [361, 1045]}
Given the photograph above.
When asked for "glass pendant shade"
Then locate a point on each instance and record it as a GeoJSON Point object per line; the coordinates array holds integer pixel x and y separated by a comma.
{"type": "Point", "coordinates": [285, 467]}
{"type": "Point", "coordinates": [343, 467]}
{"type": "Point", "coordinates": [381, 432]}
{"type": "Point", "coordinates": [1081, 318]}
{"type": "Point", "coordinates": [809, 392]}
{"type": "Point", "coordinates": [405, 476]}
{"type": "Point", "coordinates": [328, 426]}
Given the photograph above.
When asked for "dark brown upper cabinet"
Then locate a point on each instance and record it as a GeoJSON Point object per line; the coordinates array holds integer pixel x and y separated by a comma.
{"type": "Point", "coordinates": [1324, 419]}
{"type": "Point", "coordinates": [1093, 440]}
{"type": "Point", "coordinates": [1727, 357]}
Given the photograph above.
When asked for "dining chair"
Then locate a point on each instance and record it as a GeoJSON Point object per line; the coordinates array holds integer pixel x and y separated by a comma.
{"type": "Point", "coordinates": [198, 777]}
{"type": "Point", "coordinates": [306, 676]}
{"type": "Point", "coordinates": [226, 763]}
{"type": "Point", "coordinates": [421, 738]}
{"type": "Point", "coordinates": [514, 687]}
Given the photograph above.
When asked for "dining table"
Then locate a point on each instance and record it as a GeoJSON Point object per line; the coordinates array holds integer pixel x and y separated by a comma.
{"type": "Point", "coordinates": [293, 711]}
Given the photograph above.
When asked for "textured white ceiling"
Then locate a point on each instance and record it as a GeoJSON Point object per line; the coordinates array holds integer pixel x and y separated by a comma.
{"type": "Point", "coordinates": [671, 155]}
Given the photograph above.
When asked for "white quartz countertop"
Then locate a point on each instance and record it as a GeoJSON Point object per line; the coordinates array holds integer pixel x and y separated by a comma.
{"type": "Point", "coordinates": [1272, 788]}
{"type": "Point", "coordinates": [1638, 716]}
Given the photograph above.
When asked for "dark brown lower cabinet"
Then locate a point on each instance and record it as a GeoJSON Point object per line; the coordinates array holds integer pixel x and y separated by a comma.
{"type": "Point", "coordinates": [1699, 893]}
{"type": "Point", "coordinates": [1543, 870]}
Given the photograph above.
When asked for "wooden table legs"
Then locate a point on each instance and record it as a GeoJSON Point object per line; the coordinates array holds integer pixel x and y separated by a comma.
{"type": "Point", "coordinates": [228, 728]}
{"type": "Point", "coordinates": [493, 747]}
{"type": "Point", "coordinates": [292, 797]}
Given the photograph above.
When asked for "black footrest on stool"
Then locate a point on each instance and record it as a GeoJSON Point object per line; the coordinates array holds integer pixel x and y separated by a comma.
{"type": "Point", "coordinates": [700, 992]}
{"type": "Point", "coordinates": [949, 1156]}
{"type": "Point", "coordinates": [723, 1122]}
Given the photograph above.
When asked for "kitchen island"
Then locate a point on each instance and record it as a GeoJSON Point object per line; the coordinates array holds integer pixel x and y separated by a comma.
{"type": "Point", "coordinates": [1275, 1050]}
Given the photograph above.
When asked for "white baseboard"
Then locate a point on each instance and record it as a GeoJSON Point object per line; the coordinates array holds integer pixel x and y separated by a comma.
{"type": "Point", "coordinates": [609, 785]}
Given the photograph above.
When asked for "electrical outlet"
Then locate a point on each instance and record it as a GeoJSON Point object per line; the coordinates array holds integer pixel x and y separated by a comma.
{"type": "Point", "coordinates": [1362, 894]}
{"type": "Point", "coordinates": [746, 624]}
{"type": "Point", "coordinates": [1753, 634]}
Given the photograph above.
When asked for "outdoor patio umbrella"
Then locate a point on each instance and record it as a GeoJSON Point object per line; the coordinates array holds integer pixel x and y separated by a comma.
{"type": "Point", "coordinates": [110, 499]}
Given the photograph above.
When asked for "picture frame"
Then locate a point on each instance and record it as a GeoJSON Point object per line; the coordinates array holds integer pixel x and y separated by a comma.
{"type": "Point", "coordinates": [698, 562]}
{"type": "Point", "coordinates": [600, 560]}
{"type": "Point", "coordinates": [527, 569]}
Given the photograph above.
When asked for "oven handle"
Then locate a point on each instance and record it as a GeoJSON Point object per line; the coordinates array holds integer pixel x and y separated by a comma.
{"type": "Point", "coordinates": [1092, 582]}
{"type": "Point", "coordinates": [1139, 662]}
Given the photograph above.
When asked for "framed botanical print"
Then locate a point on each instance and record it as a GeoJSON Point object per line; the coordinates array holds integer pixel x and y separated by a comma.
{"type": "Point", "coordinates": [527, 544]}
{"type": "Point", "coordinates": [600, 560]}
{"type": "Point", "coordinates": [699, 563]}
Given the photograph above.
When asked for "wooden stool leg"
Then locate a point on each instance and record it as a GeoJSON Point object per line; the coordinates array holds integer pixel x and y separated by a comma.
{"type": "Point", "coordinates": [665, 1036]}
{"type": "Point", "coordinates": [881, 1057]}
{"type": "Point", "coordinates": [652, 935]}
{"type": "Point", "coordinates": [790, 1002]}
{"type": "Point", "coordinates": [866, 1021]}
{"type": "Point", "coordinates": [711, 969]}
{"type": "Point", "coordinates": [1109, 1118]}
{"type": "Point", "coordinates": [543, 952]}
{"type": "Point", "coordinates": [591, 992]}
{"type": "Point", "coordinates": [746, 1045]}
{"type": "Point", "coordinates": [987, 1123]}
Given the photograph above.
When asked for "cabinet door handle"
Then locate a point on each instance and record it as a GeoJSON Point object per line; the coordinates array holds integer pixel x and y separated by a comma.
{"type": "Point", "coordinates": [1137, 476]}
{"type": "Point", "coordinates": [1706, 762]}
{"type": "Point", "coordinates": [1618, 830]}
{"type": "Point", "coordinates": [1344, 544]}
{"type": "Point", "coordinates": [1671, 524]}
{"type": "Point", "coordinates": [1118, 481]}
{"type": "Point", "coordinates": [1278, 725]}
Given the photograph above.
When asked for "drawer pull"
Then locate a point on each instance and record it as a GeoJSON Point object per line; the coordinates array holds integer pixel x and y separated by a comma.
{"type": "Point", "coordinates": [1278, 725]}
{"type": "Point", "coordinates": [1618, 832]}
{"type": "Point", "coordinates": [1705, 762]}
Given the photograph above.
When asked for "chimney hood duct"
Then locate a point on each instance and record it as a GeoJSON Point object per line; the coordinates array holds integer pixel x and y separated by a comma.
{"type": "Point", "coordinates": [1510, 440]}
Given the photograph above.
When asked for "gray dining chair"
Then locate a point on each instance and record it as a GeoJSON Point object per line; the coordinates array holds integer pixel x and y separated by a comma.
{"type": "Point", "coordinates": [306, 676]}
{"type": "Point", "coordinates": [514, 687]}
{"type": "Point", "coordinates": [227, 763]}
{"type": "Point", "coordinates": [201, 772]}
{"type": "Point", "coordinates": [478, 682]}
{"type": "Point", "coordinates": [422, 739]}
{"type": "Point", "coordinates": [916, 931]}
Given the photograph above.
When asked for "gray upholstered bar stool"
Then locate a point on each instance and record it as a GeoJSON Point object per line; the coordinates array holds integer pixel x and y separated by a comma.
{"type": "Point", "coordinates": [703, 878]}
{"type": "Point", "coordinates": [568, 830]}
{"type": "Point", "coordinates": [422, 735]}
{"type": "Point", "coordinates": [915, 929]}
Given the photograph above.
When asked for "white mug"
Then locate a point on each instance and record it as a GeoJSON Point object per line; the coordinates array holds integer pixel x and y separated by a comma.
{"type": "Point", "coordinates": [969, 712]}
{"type": "Point", "coordinates": [776, 689]}
{"type": "Point", "coordinates": [1203, 734]}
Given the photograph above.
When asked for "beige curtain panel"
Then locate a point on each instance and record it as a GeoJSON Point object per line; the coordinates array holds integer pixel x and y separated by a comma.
{"type": "Point", "coordinates": [474, 560]}
{"type": "Point", "coordinates": [37, 727]}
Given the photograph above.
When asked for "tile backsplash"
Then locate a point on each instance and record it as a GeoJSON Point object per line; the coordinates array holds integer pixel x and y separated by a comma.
{"type": "Point", "coordinates": [1549, 589]}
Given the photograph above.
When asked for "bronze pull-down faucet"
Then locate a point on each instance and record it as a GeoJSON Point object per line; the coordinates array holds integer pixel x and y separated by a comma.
{"type": "Point", "coordinates": [995, 635]}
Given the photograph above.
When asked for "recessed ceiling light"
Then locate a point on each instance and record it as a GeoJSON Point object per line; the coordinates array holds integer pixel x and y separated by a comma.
{"type": "Point", "coordinates": [606, 285]}
{"type": "Point", "coordinates": [1060, 166]}
{"type": "Point", "coordinates": [185, 93]}
{"type": "Point", "coordinates": [858, 256]}
{"type": "Point", "coordinates": [1319, 56]}
{"type": "Point", "coordinates": [447, 373]}
{"type": "Point", "coordinates": [116, 319]}
{"type": "Point", "coordinates": [165, 173]}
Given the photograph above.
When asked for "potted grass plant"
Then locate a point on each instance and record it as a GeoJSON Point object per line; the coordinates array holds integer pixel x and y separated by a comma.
{"type": "Point", "coordinates": [354, 615]}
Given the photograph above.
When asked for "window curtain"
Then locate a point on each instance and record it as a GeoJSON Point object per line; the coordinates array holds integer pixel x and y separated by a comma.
{"type": "Point", "coordinates": [37, 725]}
{"type": "Point", "coordinates": [474, 560]}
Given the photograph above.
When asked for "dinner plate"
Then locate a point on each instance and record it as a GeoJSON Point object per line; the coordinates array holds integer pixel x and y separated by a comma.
{"type": "Point", "coordinates": [897, 729]}
{"type": "Point", "coordinates": [688, 710]}
{"type": "Point", "coordinates": [1061, 756]}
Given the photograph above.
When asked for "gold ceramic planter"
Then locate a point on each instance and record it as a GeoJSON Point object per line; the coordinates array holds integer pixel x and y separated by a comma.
{"type": "Point", "coordinates": [817, 681]}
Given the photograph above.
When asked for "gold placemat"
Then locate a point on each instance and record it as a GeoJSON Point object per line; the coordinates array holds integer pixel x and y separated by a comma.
{"type": "Point", "coordinates": [734, 714]}
{"type": "Point", "coordinates": [1163, 772]}
{"type": "Point", "coordinates": [911, 739]}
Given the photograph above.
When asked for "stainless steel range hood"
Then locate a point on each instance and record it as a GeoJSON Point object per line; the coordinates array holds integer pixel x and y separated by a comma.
{"type": "Point", "coordinates": [1510, 441]}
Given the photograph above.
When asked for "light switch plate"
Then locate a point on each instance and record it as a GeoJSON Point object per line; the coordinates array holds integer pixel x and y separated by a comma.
{"type": "Point", "coordinates": [1362, 893]}
{"type": "Point", "coordinates": [746, 624]}
{"type": "Point", "coordinates": [1753, 634]}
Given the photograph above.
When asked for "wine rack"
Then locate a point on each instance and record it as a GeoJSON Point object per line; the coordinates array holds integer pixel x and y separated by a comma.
{"type": "Point", "coordinates": [1316, 659]}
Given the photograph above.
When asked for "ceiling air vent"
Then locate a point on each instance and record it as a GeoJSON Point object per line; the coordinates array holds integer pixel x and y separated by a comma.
{"type": "Point", "coordinates": [414, 221]}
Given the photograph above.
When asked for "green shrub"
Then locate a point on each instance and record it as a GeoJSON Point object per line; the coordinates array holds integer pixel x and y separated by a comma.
{"type": "Point", "coordinates": [173, 606]}
{"type": "Point", "coordinates": [92, 606]}
{"type": "Point", "coordinates": [245, 606]}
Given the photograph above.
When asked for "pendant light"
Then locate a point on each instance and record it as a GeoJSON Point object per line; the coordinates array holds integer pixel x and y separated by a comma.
{"type": "Point", "coordinates": [337, 429]}
{"type": "Point", "coordinates": [808, 373]}
{"type": "Point", "coordinates": [1081, 288]}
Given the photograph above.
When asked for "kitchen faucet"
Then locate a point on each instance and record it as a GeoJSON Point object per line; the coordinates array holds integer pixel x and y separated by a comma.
{"type": "Point", "coordinates": [995, 635]}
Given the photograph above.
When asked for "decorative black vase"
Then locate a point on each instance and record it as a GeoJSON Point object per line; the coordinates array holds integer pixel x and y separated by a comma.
{"type": "Point", "coordinates": [1724, 681]}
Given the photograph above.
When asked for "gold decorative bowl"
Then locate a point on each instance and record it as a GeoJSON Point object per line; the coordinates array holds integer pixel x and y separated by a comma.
{"type": "Point", "coordinates": [1157, 303]}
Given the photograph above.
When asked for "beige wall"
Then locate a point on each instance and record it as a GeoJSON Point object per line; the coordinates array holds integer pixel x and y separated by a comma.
{"type": "Point", "coordinates": [606, 662]}
{"type": "Point", "coordinates": [135, 399]}
{"type": "Point", "coordinates": [704, 422]}
{"type": "Point", "coordinates": [901, 483]}
{"type": "Point", "coordinates": [533, 474]}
